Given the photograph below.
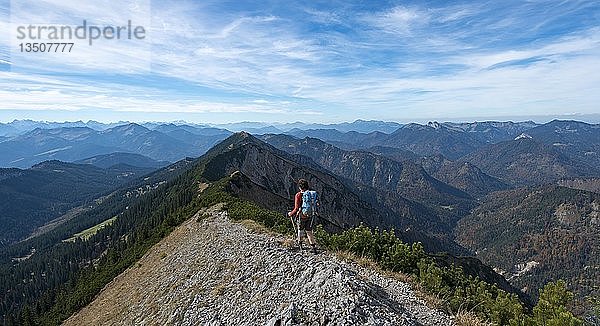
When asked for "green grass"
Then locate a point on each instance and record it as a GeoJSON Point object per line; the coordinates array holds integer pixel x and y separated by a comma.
{"type": "Point", "coordinates": [88, 233]}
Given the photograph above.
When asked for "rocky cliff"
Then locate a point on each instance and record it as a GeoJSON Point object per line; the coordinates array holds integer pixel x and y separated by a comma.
{"type": "Point", "coordinates": [216, 272]}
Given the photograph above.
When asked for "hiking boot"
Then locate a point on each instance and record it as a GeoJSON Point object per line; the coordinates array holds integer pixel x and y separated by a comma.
{"type": "Point", "coordinates": [314, 249]}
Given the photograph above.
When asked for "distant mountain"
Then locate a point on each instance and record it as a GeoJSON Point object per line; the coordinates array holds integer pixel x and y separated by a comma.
{"type": "Point", "coordinates": [196, 130]}
{"type": "Point", "coordinates": [7, 130]}
{"type": "Point", "coordinates": [108, 160]}
{"type": "Point", "coordinates": [49, 189]}
{"type": "Point", "coordinates": [462, 175]}
{"type": "Point", "coordinates": [492, 131]}
{"type": "Point", "coordinates": [67, 144]}
{"type": "Point", "coordinates": [527, 161]}
{"type": "Point", "coordinates": [577, 140]}
{"type": "Point", "coordinates": [365, 126]}
{"type": "Point", "coordinates": [433, 139]}
{"type": "Point", "coordinates": [241, 126]}
{"type": "Point", "coordinates": [534, 235]}
{"type": "Point", "coordinates": [423, 140]}
{"type": "Point", "coordinates": [23, 126]}
{"type": "Point", "coordinates": [103, 126]}
{"type": "Point", "coordinates": [405, 178]}
{"type": "Point", "coordinates": [452, 140]}
{"type": "Point", "coordinates": [257, 128]}
{"type": "Point", "coordinates": [346, 140]}
{"type": "Point", "coordinates": [470, 179]}
{"type": "Point", "coordinates": [361, 126]}
{"type": "Point", "coordinates": [201, 139]}
{"type": "Point", "coordinates": [72, 144]}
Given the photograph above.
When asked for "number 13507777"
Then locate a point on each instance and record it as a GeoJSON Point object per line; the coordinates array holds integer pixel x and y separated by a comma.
{"type": "Point", "coordinates": [46, 47]}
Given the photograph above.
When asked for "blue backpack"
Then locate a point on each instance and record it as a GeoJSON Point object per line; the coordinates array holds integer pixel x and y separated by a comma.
{"type": "Point", "coordinates": [309, 203]}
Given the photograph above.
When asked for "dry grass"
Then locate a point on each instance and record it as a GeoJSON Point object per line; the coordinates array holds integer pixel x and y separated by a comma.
{"type": "Point", "coordinates": [432, 300]}
{"type": "Point", "coordinates": [202, 186]}
{"type": "Point", "coordinates": [464, 318]}
{"type": "Point", "coordinates": [256, 227]}
{"type": "Point", "coordinates": [218, 290]}
{"type": "Point", "coordinates": [289, 243]}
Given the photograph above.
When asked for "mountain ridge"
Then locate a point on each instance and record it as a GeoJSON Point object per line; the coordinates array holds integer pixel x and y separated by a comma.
{"type": "Point", "coordinates": [223, 273]}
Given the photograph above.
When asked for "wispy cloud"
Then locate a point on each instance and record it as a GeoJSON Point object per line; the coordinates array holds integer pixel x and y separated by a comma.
{"type": "Point", "coordinates": [400, 20]}
{"type": "Point", "coordinates": [342, 62]}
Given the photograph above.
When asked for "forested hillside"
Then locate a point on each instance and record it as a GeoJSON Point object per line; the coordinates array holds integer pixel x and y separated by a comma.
{"type": "Point", "coordinates": [534, 235]}
{"type": "Point", "coordinates": [34, 196]}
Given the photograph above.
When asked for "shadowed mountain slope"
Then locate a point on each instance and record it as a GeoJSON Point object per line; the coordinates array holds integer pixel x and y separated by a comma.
{"type": "Point", "coordinates": [526, 161]}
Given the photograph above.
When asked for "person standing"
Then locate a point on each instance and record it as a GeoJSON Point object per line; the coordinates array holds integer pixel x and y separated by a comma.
{"type": "Point", "coordinates": [305, 209]}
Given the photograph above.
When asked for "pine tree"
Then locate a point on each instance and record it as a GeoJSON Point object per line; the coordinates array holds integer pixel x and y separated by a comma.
{"type": "Point", "coordinates": [551, 308]}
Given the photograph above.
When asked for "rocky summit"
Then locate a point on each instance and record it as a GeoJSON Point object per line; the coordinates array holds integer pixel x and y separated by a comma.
{"type": "Point", "coordinates": [212, 271]}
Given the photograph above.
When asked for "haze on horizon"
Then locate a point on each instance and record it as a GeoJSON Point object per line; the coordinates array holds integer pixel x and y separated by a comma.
{"type": "Point", "coordinates": [231, 61]}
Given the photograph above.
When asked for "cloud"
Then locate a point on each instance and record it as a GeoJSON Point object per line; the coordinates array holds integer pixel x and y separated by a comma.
{"type": "Point", "coordinates": [343, 61]}
{"type": "Point", "coordinates": [117, 55]}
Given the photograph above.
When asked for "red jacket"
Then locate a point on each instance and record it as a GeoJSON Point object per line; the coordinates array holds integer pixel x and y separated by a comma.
{"type": "Point", "coordinates": [297, 203]}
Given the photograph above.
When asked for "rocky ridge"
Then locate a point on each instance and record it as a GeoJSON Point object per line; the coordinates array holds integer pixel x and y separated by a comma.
{"type": "Point", "coordinates": [213, 271]}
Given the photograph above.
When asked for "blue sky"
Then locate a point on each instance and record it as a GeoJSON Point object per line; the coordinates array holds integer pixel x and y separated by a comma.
{"type": "Point", "coordinates": [314, 61]}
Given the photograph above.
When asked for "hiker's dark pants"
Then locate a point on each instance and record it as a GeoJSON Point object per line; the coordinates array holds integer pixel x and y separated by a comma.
{"type": "Point", "coordinates": [306, 224]}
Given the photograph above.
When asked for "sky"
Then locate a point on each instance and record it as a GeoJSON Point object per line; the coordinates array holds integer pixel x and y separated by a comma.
{"type": "Point", "coordinates": [312, 61]}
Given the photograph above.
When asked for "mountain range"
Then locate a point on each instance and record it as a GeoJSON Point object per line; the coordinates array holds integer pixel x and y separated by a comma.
{"type": "Point", "coordinates": [517, 196]}
{"type": "Point", "coordinates": [404, 178]}
{"type": "Point", "coordinates": [266, 176]}
{"type": "Point", "coordinates": [17, 127]}
{"type": "Point", "coordinates": [77, 143]}
{"type": "Point", "coordinates": [452, 140]}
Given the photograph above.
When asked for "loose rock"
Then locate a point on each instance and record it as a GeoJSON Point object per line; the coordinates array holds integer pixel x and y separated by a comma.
{"type": "Point", "coordinates": [217, 272]}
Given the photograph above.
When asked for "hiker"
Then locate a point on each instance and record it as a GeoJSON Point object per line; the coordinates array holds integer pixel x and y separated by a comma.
{"type": "Point", "coordinates": [305, 207]}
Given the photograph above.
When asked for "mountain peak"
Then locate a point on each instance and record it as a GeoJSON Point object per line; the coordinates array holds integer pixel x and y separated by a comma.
{"type": "Point", "coordinates": [128, 129]}
{"type": "Point", "coordinates": [242, 138]}
{"type": "Point", "coordinates": [236, 140]}
{"type": "Point", "coordinates": [434, 124]}
{"type": "Point", "coordinates": [523, 136]}
{"type": "Point", "coordinates": [244, 134]}
{"type": "Point", "coordinates": [414, 127]}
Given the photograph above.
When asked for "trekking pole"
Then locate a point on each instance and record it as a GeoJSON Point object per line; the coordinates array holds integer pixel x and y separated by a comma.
{"type": "Point", "coordinates": [292, 220]}
{"type": "Point", "coordinates": [296, 226]}
{"type": "Point", "coordinates": [299, 223]}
